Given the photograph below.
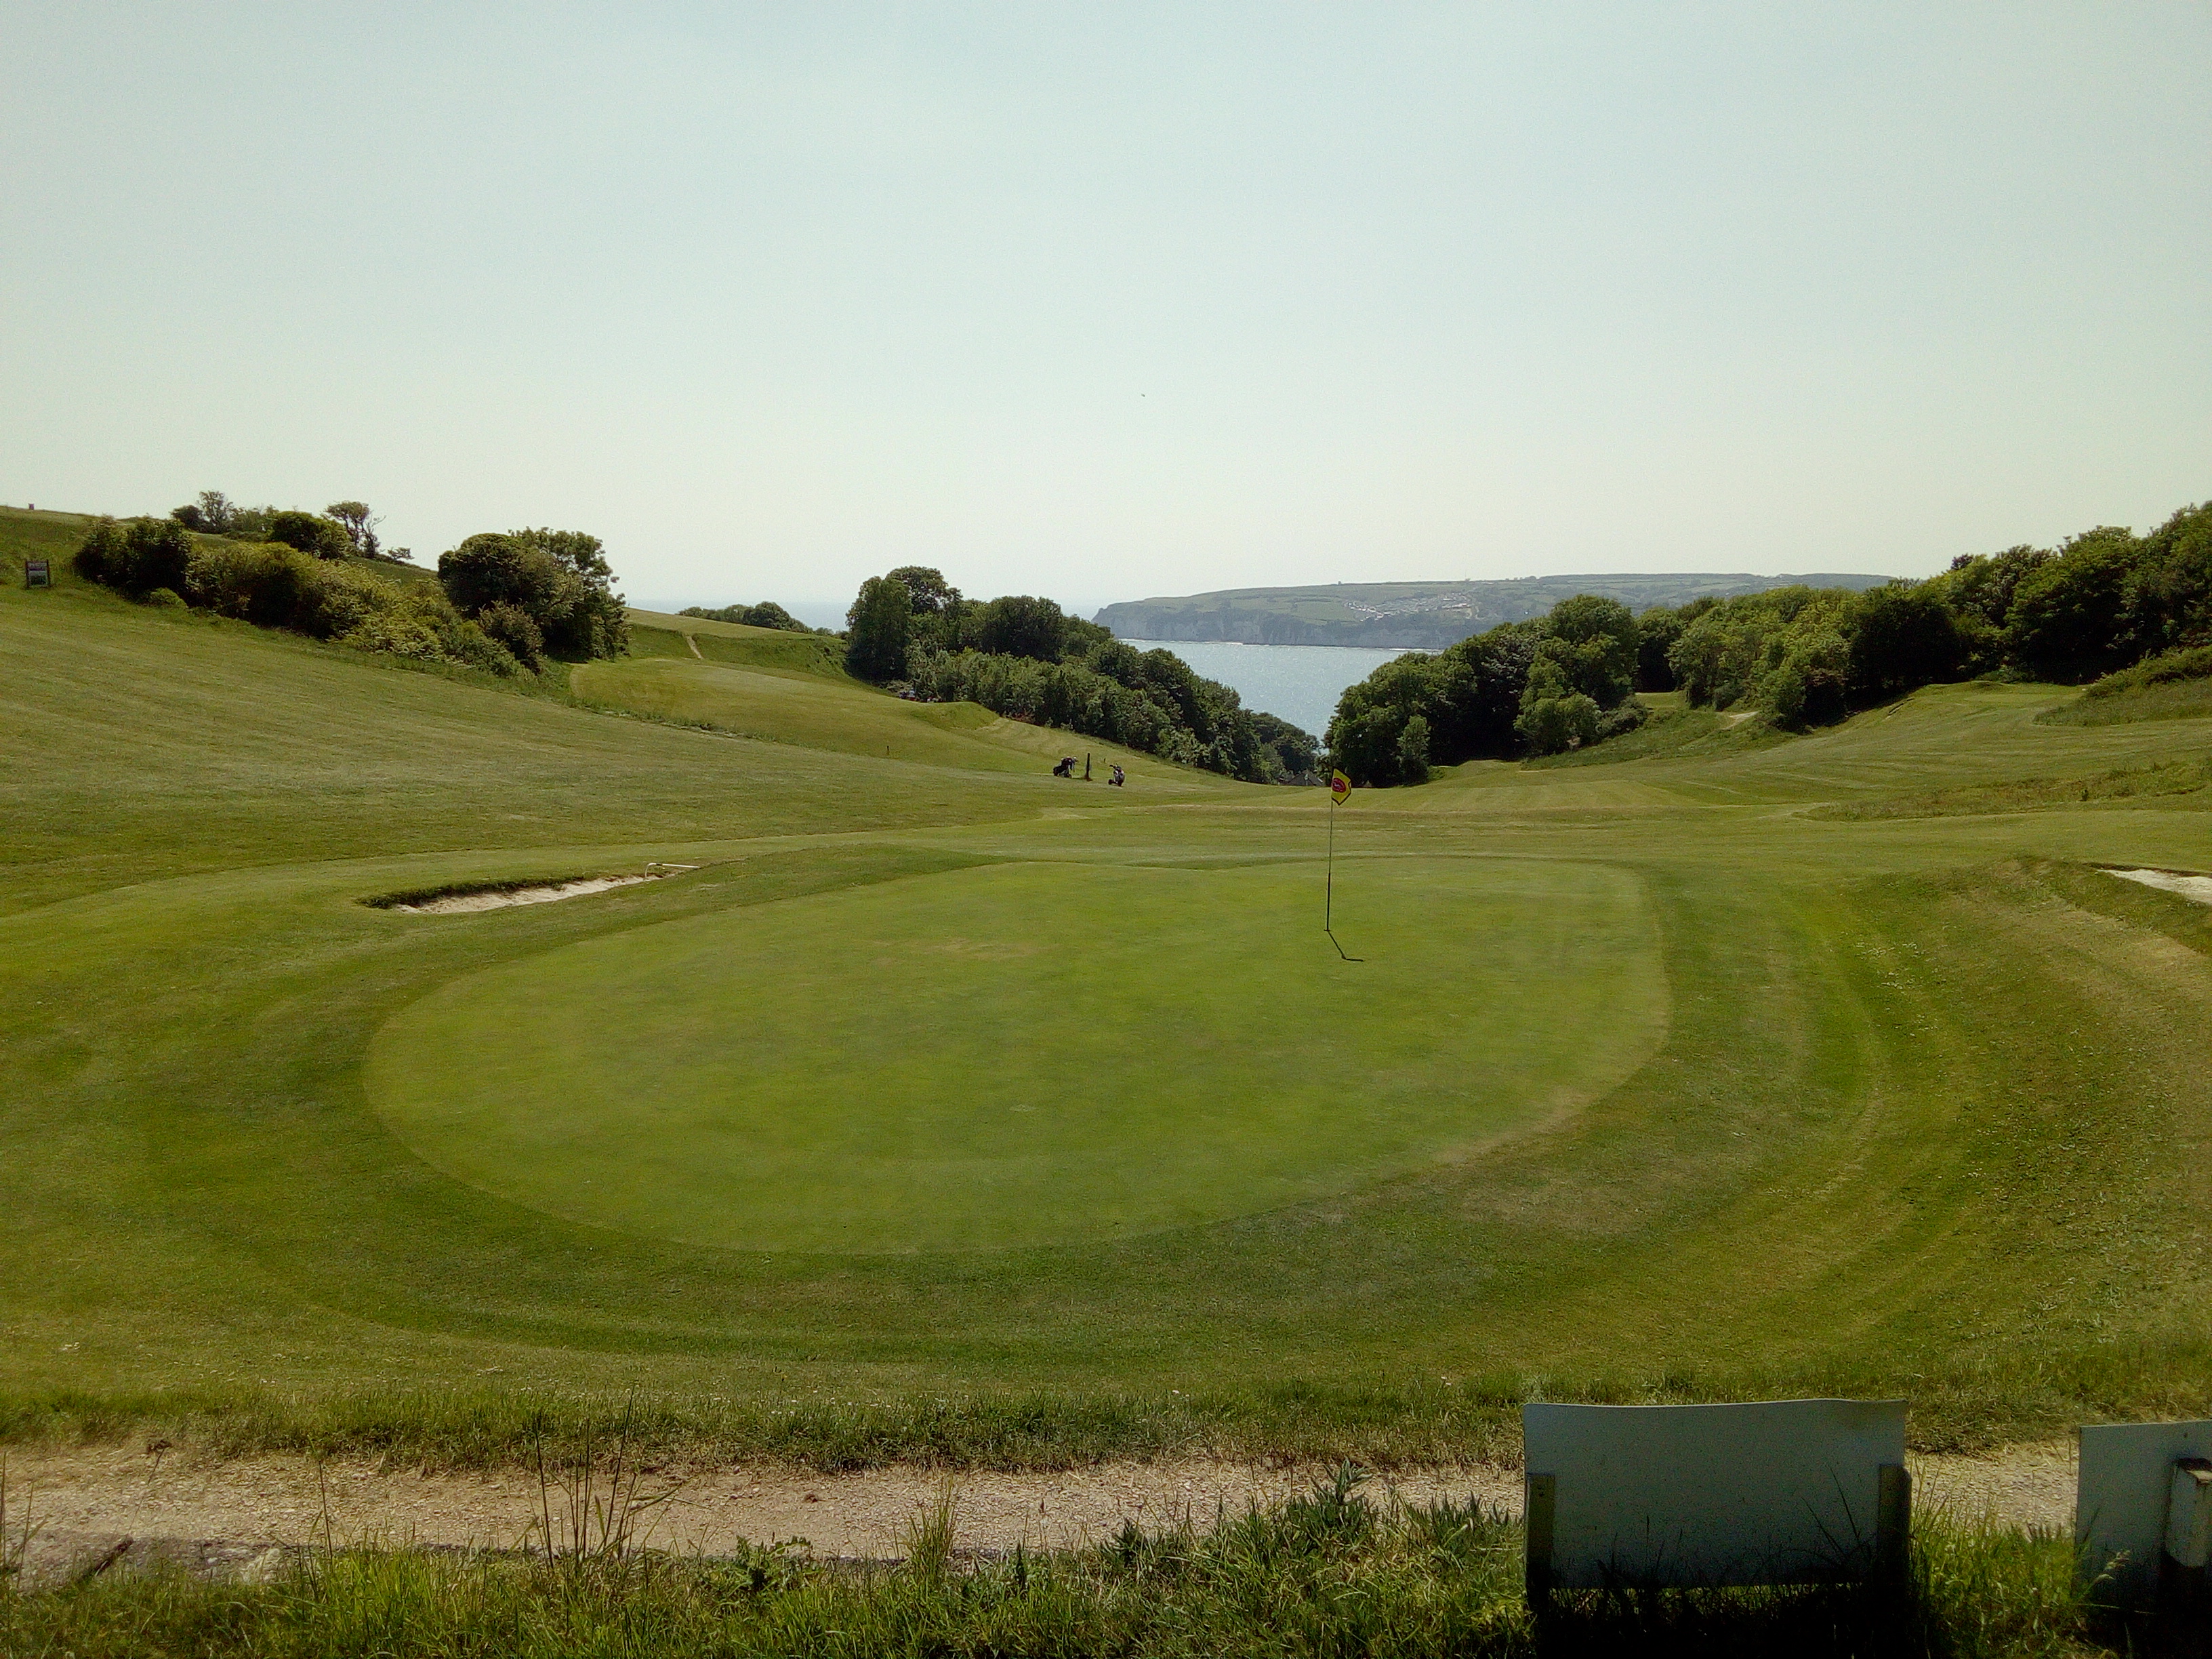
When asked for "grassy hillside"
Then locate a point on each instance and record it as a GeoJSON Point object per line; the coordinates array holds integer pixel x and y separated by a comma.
{"type": "Point", "coordinates": [950, 1108]}
{"type": "Point", "coordinates": [654, 634]}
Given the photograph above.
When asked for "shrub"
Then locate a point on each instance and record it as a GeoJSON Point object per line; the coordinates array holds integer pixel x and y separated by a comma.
{"type": "Point", "coordinates": [310, 533]}
{"type": "Point", "coordinates": [134, 557]}
{"type": "Point", "coordinates": [1807, 685]}
{"type": "Point", "coordinates": [767, 614]}
{"type": "Point", "coordinates": [264, 583]}
{"type": "Point", "coordinates": [1630, 715]}
{"type": "Point", "coordinates": [513, 628]}
{"type": "Point", "coordinates": [1551, 726]}
{"type": "Point", "coordinates": [2195, 664]}
{"type": "Point", "coordinates": [274, 585]}
{"type": "Point", "coordinates": [560, 578]}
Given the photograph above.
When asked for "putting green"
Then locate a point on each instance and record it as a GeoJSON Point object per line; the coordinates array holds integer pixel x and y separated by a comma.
{"type": "Point", "coordinates": [1027, 1054]}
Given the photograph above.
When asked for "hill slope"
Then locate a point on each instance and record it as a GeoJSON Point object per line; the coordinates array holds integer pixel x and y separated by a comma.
{"type": "Point", "coordinates": [950, 1111]}
{"type": "Point", "coordinates": [1424, 616]}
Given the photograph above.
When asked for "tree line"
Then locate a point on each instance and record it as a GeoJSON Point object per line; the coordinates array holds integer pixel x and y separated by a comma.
{"type": "Point", "coordinates": [1801, 657]}
{"type": "Point", "coordinates": [1023, 657]}
{"type": "Point", "coordinates": [507, 602]}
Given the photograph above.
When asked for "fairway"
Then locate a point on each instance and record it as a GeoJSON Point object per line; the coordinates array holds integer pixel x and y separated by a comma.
{"type": "Point", "coordinates": [1027, 1053]}
{"type": "Point", "coordinates": [1739, 1065]}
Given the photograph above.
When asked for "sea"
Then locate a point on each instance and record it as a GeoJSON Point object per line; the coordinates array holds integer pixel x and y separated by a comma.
{"type": "Point", "coordinates": [1297, 683]}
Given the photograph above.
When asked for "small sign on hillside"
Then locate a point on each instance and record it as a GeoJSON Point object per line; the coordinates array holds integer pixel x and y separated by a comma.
{"type": "Point", "coordinates": [38, 573]}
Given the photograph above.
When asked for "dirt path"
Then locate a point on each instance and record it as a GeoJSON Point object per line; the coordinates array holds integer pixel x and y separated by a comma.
{"type": "Point", "coordinates": [240, 1515]}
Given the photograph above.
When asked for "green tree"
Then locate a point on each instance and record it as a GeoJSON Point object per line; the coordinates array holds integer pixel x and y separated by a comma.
{"type": "Point", "coordinates": [926, 591]}
{"type": "Point", "coordinates": [1902, 636]}
{"type": "Point", "coordinates": [1808, 683]}
{"type": "Point", "coordinates": [590, 619]}
{"type": "Point", "coordinates": [2168, 603]}
{"type": "Point", "coordinates": [1554, 716]}
{"type": "Point", "coordinates": [2067, 614]}
{"type": "Point", "coordinates": [1597, 643]}
{"type": "Point", "coordinates": [211, 515]}
{"type": "Point", "coordinates": [879, 622]}
{"type": "Point", "coordinates": [358, 523]}
{"type": "Point", "coordinates": [560, 580]}
{"type": "Point", "coordinates": [1023, 625]}
{"type": "Point", "coordinates": [768, 614]}
{"type": "Point", "coordinates": [1413, 750]}
{"type": "Point", "coordinates": [1656, 630]}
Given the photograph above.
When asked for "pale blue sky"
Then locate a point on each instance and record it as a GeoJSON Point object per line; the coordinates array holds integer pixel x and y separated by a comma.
{"type": "Point", "coordinates": [1102, 301]}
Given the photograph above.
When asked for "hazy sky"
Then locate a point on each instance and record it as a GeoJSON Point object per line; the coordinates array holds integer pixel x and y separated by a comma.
{"type": "Point", "coordinates": [1109, 301]}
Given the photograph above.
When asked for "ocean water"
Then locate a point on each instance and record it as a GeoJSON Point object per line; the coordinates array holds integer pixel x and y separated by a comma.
{"type": "Point", "coordinates": [1297, 683]}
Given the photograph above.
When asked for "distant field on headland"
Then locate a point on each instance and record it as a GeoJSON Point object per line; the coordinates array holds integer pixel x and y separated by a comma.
{"type": "Point", "coordinates": [1419, 616]}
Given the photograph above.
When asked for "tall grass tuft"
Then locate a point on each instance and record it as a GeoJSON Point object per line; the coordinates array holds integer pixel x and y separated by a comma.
{"type": "Point", "coordinates": [1334, 1573]}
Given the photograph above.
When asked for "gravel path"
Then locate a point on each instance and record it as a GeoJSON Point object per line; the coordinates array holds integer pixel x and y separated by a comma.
{"type": "Point", "coordinates": [239, 1515]}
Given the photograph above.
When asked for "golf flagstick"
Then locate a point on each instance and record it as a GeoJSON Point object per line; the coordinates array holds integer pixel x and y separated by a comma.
{"type": "Point", "coordinates": [1339, 790]}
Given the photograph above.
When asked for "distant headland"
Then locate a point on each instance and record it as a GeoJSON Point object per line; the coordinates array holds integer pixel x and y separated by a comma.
{"type": "Point", "coordinates": [1422, 616]}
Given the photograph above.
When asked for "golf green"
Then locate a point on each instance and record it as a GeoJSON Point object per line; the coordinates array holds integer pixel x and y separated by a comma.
{"type": "Point", "coordinates": [1027, 1053]}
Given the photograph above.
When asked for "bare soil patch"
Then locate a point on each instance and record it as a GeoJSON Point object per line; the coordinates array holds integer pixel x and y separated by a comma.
{"type": "Point", "coordinates": [241, 1515]}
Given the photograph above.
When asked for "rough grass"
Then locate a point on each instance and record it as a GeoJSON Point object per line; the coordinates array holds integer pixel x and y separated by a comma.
{"type": "Point", "coordinates": [1674, 728]}
{"type": "Point", "coordinates": [2171, 699]}
{"type": "Point", "coordinates": [2159, 782]}
{"type": "Point", "coordinates": [832, 712]}
{"type": "Point", "coordinates": [1911, 1126]}
{"type": "Point", "coordinates": [1335, 1573]}
{"type": "Point", "coordinates": [655, 634]}
{"type": "Point", "coordinates": [2177, 685]}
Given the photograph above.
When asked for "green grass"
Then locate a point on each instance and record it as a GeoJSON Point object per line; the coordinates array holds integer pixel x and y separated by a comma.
{"type": "Point", "coordinates": [2168, 700]}
{"type": "Point", "coordinates": [816, 708]}
{"type": "Point", "coordinates": [990, 1058]}
{"type": "Point", "coordinates": [1335, 1573]}
{"type": "Point", "coordinates": [1770, 1100]}
{"type": "Point", "coordinates": [2175, 777]}
{"type": "Point", "coordinates": [656, 634]}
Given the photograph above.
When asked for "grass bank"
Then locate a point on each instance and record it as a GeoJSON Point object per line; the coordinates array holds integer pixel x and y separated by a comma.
{"type": "Point", "coordinates": [1336, 1573]}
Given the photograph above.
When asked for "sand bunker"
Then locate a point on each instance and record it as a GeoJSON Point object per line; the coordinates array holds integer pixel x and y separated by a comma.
{"type": "Point", "coordinates": [2190, 887]}
{"type": "Point", "coordinates": [500, 898]}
